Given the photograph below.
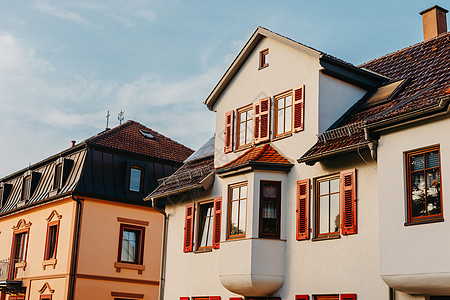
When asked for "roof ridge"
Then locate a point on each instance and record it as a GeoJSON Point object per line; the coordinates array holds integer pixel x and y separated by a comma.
{"type": "Point", "coordinates": [406, 48]}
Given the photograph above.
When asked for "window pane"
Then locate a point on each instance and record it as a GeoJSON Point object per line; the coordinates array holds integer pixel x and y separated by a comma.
{"type": "Point", "coordinates": [205, 226]}
{"type": "Point", "coordinates": [417, 162]}
{"type": "Point", "coordinates": [280, 103]}
{"type": "Point", "coordinates": [324, 187]}
{"type": "Point", "coordinates": [235, 194]}
{"type": "Point", "coordinates": [433, 192]}
{"type": "Point", "coordinates": [234, 217]}
{"type": "Point", "coordinates": [334, 185]}
{"type": "Point", "coordinates": [334, 213]}
{"type": "Point", "coordinates": [242, 213]}
{"type": "Point", "coordinates": [129, 246]}
{"type": "Point", "coordinates": [135, 180]}
{"type": "Point", "coordinates": [418, 194]}
{"type": "Point", "coordinates": [250, 114]}
{"type": "Point", "coordinates": [323, 214]}
{"type": "Point", "coordinates": [242, 134]}
{"type": "Point", "coordinates": [249, 131]}
{"type": "Point", "coordinates": [288, 119]}
{"type": "Point", "coordinates": [51, 246]}
{"type": "Point", "coordinates": [432, 159]}
{"type": "Point", "coordinates": [288, 100]}
{"type": "Point", "coordinates": [280, 121]}
{"type": "Point", "coordinates": [243, 192]}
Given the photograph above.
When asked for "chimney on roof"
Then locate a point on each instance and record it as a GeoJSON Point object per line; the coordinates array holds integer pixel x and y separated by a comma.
{"type": "Point", "coordinates": [73, 143]}
{"type": "Point", "coordinates": [434, 21]}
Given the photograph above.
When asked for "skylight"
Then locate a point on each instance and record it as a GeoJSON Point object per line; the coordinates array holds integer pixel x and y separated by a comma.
{"type": "Point", "coordinates": [147, 134]}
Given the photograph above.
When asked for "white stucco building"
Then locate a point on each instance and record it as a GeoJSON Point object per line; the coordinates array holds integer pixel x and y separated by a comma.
{"type": "Point", "coordinates": [324, 180]}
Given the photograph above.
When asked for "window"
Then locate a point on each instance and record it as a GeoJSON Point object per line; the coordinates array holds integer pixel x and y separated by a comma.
{"type": "Point", "coordinates": [1, 197]}
{"type": "Point", "coordinates": [245, 126]}
{"type": "Point", "coordinates": [20, 246]}
{"type": "Point", "coordinates": [52, 240]}
{"type": "Point", "coordinates": [283, 113]}
{"type": "Point", "coordinates": [270, 200]}
{"type": "Point", "coordinates": [424, 185]}
{"type": "Point", "coordinates": [327, 207]}
{"type": "Point", "coordinates": [208, 225]}
{"type": "Point", "coordinates": [131, 244]}
{"type": "Point", "coordinates": [135, 179]}
{"type": "Point", "coordinates": [264, 58]}
{"type": "Point", "coordinates": [205, 228]}
{"type": "Point", "coordinates": [57, 183]}
{"type": "Point", "coordinates": [26, 190]}
{"type": "Point", "coordinates": [237, 196]}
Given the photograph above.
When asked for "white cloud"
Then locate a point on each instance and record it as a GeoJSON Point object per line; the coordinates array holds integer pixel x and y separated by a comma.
{"type": "Point", "coordinates": [54, 11]}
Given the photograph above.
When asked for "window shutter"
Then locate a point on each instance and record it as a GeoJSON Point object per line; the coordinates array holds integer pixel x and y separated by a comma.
{"type": "Point", "coordinates": [235, 298]}
{"type": "Point", "coordinates": [301, 297]}
{"type": "Point", "coordinates": [256, 122]}
{"type": "Point", "coordinates": [189, 228]}
{"type": "Point", "coordinates": [264, 116]}
{"type": "Point", "coordinates": [214, 298]}
{"type": "Point", "coordinates": [217, 222]}
{"type": "Point", "coordinates": [299, 108]}
{"type": "Point", "coordinates": [184, 298]}
{"type": "Point", "coordinates": [348, 296]}
{"type": "Point", "coordinates": [348, 201]}
{"type": "Point", "coordinates": [302, 209]}
{"type": "Point", "coordinates": [229, 119]}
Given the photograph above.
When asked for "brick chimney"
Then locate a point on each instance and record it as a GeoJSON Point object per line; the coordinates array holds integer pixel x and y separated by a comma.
{"type": "Point", "coordinates": [434, 22]}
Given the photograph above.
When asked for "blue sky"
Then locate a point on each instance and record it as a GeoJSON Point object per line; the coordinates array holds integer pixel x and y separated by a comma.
{"type": "Point", "coordinates": [64, 64]}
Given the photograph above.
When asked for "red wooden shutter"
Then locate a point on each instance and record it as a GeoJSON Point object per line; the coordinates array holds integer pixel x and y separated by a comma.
{"type": "Point", "coordinates": [189, 228]}
{"type": "Point", "coordinates": [348, 296]}
{"type": "Point", "coordinates": [214, 298]}
{"type": "Point", "coordinates": [256, 122]}
{"type": "Point", "coordinates": [302, 210]}
{"type": "Point", "coordinates": [184, 298]}
{"type": "Point", "coordinates": [264, 116]}
{"type": "Point", "coordinates": [299, 108]}
{"type": "Point", "coordinates": [301, 297]}
{"type": "Point", "coordinates": [235, 298]}
{"type": "Point", "coordinates": [217, 220]}
{"type": "Point", "coordinates": [229, 119]}
{"type": "Point", "coordinates": [348, 201]}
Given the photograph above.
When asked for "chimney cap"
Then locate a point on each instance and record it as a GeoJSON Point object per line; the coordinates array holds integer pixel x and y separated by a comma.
{"type": "Point", "coordinates": [433, 7]}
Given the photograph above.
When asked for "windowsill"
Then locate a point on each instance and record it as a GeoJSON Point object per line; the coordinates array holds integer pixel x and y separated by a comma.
{"type": "Point", "coordinates": [49, 262]}
{"type": "Point", "coordinates": [21, 264]}
{"type": "Point", "coordinates": [129, 266]}
{"type": "Point", "coordinates": [425, 221]}
{"type": "Point", "coordinates": [263, 67]}
{"type": "Point", "coordinates": [203, 250]}
{"type": "Point", "coordinates": [327, 237]}
{"type": "Point", "coordinates": [282, 136]}
{"type": "Point", "coordinates": [243, 148]}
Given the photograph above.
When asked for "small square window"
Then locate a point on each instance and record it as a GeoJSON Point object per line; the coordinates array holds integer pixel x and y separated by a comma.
{"type": "Point", "coordinates": [135, 179]}
{"type": "Point", "coordinates": [131, 244]}
{"type": "Point", "coordinates": [264, 58]}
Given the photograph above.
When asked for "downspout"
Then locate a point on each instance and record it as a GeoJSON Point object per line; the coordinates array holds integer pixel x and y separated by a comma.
{"type": "Point", "coordinates": [164, 249]}
{"type": "Point", "coordinates": [76, 238]}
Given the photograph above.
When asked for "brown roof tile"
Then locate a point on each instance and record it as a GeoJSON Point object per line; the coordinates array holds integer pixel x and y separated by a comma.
{"type": "Point", "coordinates": [127, 137]}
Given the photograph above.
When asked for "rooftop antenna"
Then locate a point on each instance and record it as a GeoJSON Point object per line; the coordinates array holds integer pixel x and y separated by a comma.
{"type": "Point", "coordinates": [120, 117]}
{"type": "Point", "coordinates": [107, 120]}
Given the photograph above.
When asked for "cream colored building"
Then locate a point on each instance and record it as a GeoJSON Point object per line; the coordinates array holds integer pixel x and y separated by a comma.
{"type": "Point", "coordinates": [74, 226]}
{"type": "Point", "coordinates": [320, 185]}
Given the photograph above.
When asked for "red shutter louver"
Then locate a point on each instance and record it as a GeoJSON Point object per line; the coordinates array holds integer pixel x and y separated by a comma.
{"type": "Point", "coordinates": [348, 201]}
{"type": "Point", "coordinates": [214, 298]}
{"type": "Point", "coordinates": [184, 298]}
{"type": "Point", "coordinates": [229, 119]}
{"type": "Point", "coordinates": [299, 108]}
{"type": "Point", "coordinates": [264, 116]}
{"type": "Point", "coordinates": [189, 228]}
{"type": "Point", "coordinates": [301, 297]}
{"type": "Point", "coordinates": [348, 296]}
{"type": "Point", "coordinates": [217, 222]}
{"type": "Point", "coordinates": [302, 212]}
{"type": "Point", "coordinates": [256, 121]}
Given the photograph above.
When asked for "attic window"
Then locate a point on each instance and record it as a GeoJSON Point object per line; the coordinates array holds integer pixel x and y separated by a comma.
{"type": "Point", "coordinates": [147, 134]}
{"type": "Point", "coordinates": [264, 58]}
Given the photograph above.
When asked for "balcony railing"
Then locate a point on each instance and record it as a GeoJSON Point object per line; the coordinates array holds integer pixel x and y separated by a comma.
{"type": "Point", "coordinates": [11, 269]}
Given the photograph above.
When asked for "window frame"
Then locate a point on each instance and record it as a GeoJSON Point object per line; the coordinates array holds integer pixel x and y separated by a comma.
{"type": "Point", "coordinates": [410, 220]}
{"type": "Point", "coordinates": [329, 235]}
{"type": "Point", "coordinates": [26, 188]}
{"type": "Point", "coordinates": [139, 249]}
{"type": "Point", "coordinates": [141, 182]}
{"type": "Point", "coordinates": [275, 114]}
{"type": "Point", "coordinates": [263, 62]}
{"type": "Point", "coordinates": [57, 180]}
{"type": "Point", "coordinates": [245, 109]}
{"type": "Point", "coordinates": [48, 240]}
{"type": "Point", "coordinates": [278, 213]}
{"type": "Point", "coordinates": [199, 225]}
{"type": "Point", "coordinates": [12, 268]}
{"type": "Point", "coordinates": [230, 193]}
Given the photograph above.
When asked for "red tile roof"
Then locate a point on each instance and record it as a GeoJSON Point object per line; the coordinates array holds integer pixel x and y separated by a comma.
{"type": "Point", "coordinates": [127, 137]}
{"type": "Point", "coordinates": [263, 154]}
{"type": "Point", "coordinates": [426, 64]}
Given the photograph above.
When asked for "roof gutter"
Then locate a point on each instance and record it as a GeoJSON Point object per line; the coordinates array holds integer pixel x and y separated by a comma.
{"type": "Point", "coordinates": [311, 160]}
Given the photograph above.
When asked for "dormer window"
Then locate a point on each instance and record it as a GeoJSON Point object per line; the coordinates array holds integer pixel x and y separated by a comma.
{"type": "Point", "coordinates": [135, 179]}
{"type": "Point", "coordinates": [58, 177]}
{"type": "Point", "coordinates": [5, 189]}
{"type": "Point", "coordinates": [264, 58]}
{"type": "Point", "coordinates": [147, 134]}
{"type": "Point", "coordinates": [26, 190]}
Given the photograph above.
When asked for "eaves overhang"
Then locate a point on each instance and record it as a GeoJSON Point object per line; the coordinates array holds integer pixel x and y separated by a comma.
{"type": "Point", "coordinates": [357, 76]}
{"type": "Point", "coordinates": [251, 166]}
{"type": "Point", "coordinates": [311, 160]}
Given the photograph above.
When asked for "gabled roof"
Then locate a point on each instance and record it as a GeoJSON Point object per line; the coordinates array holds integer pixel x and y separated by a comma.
{"type": "Point", "coordinates": [258, 158]}
{"type": "Point", "coordinates": [425, 66]}
{"type": "Point", "coordinates": [333, 66]}
{"type": "Point", "coordinates": [129, 137]}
